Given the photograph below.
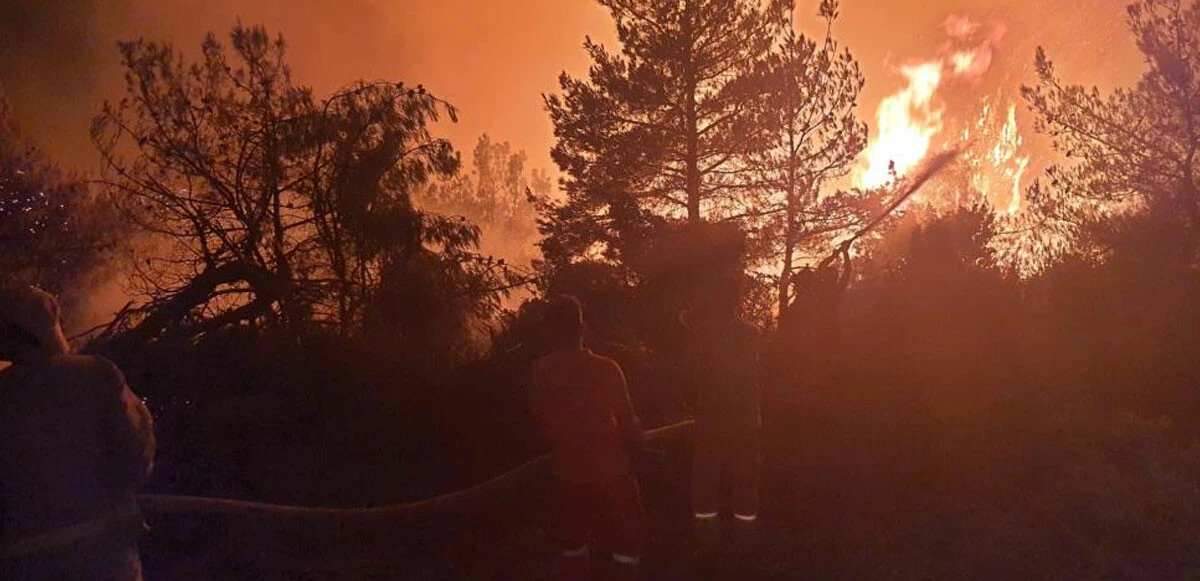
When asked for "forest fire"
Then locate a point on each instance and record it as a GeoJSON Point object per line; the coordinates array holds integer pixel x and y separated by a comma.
{"type": "Point", "coordinates": [997, 163]}
{"type": "Point", "coordinates": [715, 301]}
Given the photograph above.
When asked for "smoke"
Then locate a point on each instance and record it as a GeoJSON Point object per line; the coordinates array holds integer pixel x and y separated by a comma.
{"type": "Point", "coordinates": [960, 26]}
{"type": "Point", "coordinates": [493, 60]}
{"type": "Point", "coordinates": [50, 59]}
{"type": "Point", "coordinates": [44, 41]}
{"type": "Point", "coordinates": [58, 59]}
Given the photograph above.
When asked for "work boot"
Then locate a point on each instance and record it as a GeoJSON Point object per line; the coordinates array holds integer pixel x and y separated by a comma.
{"type": "Point", "coordinates": [745, 532]}
{"type": "Point", "coordinates": [624, 568]}
{"type": "Point", "coordinates": [575, 565]}
{"type": "Point", "coordinates": [706, 532]}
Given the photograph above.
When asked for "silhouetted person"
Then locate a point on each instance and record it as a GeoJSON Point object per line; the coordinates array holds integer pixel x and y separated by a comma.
{"type": "Point", "coordinates": [809, 330]}
{"type": "Point", "coordinates": [75, 444]}
{"type": "Point", "coordinates": [582, 403]}
{"type": "Point", "coordinates": [727, 404]}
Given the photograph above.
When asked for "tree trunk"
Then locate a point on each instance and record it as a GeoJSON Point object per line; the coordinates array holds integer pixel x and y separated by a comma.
{"type": "Point", "coordinates": [692, 156]}
{"type": "Point", "coordinates": [693, 163]}
{"type": "Point", "coordinates": [791, 206]}
{"type": "Point", "coordinates": [785, 274]}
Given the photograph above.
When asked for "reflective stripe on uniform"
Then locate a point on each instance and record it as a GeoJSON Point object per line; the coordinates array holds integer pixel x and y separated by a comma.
{"type": "Point", "coordinates": [574, 553]}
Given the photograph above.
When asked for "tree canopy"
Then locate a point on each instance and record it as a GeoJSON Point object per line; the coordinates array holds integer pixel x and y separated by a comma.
{"type": "Point", "coordinates": [663, 128]}
{"type": "Point", "coordinates": [266, 205]}
{"type": "Point", "coordinates": [1132, 154]}
{"type": "Point", "coordinates": [54, 230]}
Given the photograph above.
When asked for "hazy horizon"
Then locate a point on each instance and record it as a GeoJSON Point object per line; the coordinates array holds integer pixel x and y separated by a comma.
{"type": "Point", "coordinates": [493, 60]}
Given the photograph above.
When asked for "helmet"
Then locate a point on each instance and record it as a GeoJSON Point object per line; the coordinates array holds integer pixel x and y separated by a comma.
{"type": "Point", "coordinates": [29, 323]}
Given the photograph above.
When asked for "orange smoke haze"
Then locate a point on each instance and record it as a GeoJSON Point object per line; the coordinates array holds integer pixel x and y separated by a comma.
{"type": "Point", "coordinates": [494, 59]}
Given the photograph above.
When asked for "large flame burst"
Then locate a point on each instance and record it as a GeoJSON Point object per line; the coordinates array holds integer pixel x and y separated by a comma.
{"type": "Point", "coordinates": [915, 121]}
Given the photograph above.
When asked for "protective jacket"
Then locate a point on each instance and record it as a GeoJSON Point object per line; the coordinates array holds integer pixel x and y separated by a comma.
{"type": "Point", "coordinates": [75, 445]}
{"type": "Point", "coordinates": [582, 403]}
{"type": "Point", "coordinates": [727, 417]}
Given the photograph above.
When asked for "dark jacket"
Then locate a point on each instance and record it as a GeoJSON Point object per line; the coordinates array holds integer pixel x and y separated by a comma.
{"type": "Point", "coordinates": [75, 445]}
{"type": "Point", "coordinates": [727, 375]}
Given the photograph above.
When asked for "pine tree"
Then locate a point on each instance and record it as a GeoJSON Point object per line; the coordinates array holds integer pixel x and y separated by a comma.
{"type": "Point", "coordinates": [662, 130]}
{"type": "Point", "coordinates": [813, 93]}
{"type": "Point", "coordinates": [1133, 156]}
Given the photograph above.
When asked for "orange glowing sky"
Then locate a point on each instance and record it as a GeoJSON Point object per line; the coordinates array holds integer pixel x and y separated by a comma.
{"type": "Point", "coordinates": [494, 58]}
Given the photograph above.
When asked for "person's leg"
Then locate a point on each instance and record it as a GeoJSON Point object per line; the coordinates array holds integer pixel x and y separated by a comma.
{"type": "Point", "coordinates": [574, 564]}
{"type": "Point", "coordinates": [706, 489]}
{"type": "Point", "coordinates": [706, 473]}
{"type": "Point", "coordinates": [627, 529]}
{"type": "Point", "coordinates": [744, 459]}
{"type": "Point", "coordinates": [572, 528]}
{"type": "Point", "coordinates": [625, 567]}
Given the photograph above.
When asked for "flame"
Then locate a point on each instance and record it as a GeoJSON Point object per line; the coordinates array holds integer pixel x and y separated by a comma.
{"type": "Point", "coordinates": [909, 121]}
{"type": "Point", "coordinates": [1011, 135]}
{"type": "Point", "coordinates": [997, 170]}
{"type": "Point", "coordinates": [916, 120]}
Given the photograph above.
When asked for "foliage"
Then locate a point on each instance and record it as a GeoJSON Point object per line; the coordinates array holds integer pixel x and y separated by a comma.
{"type": "Point", "coordinates": [662, 129]}
{"type": "Point", "coordinates": [1130, 152]}
{"type": "Point", "coordinates": [53, 229]}
{"type": "Point", "coordinates": [268, 206]}
{"type": "Point", "coordinates": [812, 92]}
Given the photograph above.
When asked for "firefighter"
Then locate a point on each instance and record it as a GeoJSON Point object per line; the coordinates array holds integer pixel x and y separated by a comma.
{"type": "Point", "coordinates": [727, 405]}
{"type": "Point", "coordinates": [582, 403]}
{"type": "Point", "coordinates": [809, 327]}
{"type": "Point", "coordinates": [75, 445]}
{"type": "Point", "coordinates": [832, 280]}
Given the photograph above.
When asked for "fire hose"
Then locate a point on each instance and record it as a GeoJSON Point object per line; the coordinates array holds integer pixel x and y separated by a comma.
{"type": "Point", "coordinates": [468, 498]}
{"type": "Point", "coordinates": [454, 502]}
{"type": "Point", "coordinates": [911, 186]}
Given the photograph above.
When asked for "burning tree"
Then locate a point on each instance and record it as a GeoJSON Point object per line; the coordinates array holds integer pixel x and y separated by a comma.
{"type": "Point", "coordinates": [663, 129]}
{"type": "Point", "coordinates": [263, 205]}
{"type": "Point", "coordinates": [1131, 155]}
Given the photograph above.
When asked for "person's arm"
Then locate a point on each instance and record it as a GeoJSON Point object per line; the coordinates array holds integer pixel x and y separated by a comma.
{"type": "Point", "coordinates": [755, 370]}
{"type": "Point", "coordinates": [131, 442]}
{"type": "Point", "coordinates": [622, 406]}
{"type": "Point", "coordinates": [847, 270]}
{"type": "Point", "coordinates": [537, 399]}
